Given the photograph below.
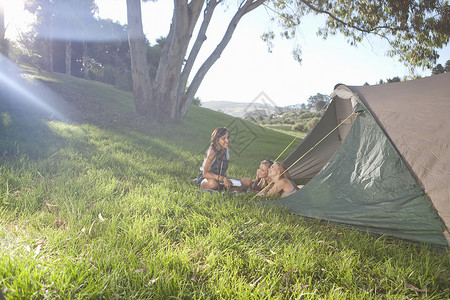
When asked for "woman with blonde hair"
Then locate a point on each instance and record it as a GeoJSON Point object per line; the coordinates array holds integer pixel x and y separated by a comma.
{"type": "Point", "coordinates": [262, 180]}
{"type": "Point", "coordinates": [282, 182]}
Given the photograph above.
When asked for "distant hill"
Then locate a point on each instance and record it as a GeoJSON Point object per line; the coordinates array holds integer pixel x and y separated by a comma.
{"type": "Point", "coordinates": [240, 109]}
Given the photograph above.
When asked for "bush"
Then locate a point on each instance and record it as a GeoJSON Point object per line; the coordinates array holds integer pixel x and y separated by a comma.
{"type": "Point", "coordinates": [298, 127]}
{"type": "Point", "coordinates": [197, 101]}
{"type": "Point", "coordinates": [313, 122]}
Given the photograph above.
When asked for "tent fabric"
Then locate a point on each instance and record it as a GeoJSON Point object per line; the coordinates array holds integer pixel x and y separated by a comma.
{"type": "Point", "coordinates": [315, 157]}
{"type": "Point", "coordinates": [416, 117]}
{"type": "Point", "coordinates": [388, 170]}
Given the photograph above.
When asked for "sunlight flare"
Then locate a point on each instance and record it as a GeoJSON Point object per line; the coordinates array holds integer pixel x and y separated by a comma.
{"type": "Point", "coordinates": [22, 94]}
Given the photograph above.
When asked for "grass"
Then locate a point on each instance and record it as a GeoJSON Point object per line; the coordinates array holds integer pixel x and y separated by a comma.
{"type": "Point", "coordinates": [101, 206]}
{"type": "Point", "coordinates": [287, 129]}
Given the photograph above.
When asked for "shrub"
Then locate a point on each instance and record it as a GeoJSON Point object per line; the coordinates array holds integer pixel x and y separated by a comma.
{"type": "Point", "coordinates": [313, 122]}
{"type": "Point", "coordinates": [298, 127]}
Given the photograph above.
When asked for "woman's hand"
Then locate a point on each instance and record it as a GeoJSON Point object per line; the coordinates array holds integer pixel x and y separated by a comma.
{"type": "Point", "coordinates": [226, 182]}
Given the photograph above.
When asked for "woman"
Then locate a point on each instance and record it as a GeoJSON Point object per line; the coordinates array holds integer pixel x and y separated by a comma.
{"type": "Point", "coordinates": [282, 183]}
{"type": "Point", "coordinates": [262, 179]}
{"type": "Point", "coordinates": [213, 173]}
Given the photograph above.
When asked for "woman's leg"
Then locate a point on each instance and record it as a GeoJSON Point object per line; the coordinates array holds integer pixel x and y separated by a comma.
{"type": "Point", "coordinates": [246, 182]}
{"type": "Point", "coordinates": [209, 184]}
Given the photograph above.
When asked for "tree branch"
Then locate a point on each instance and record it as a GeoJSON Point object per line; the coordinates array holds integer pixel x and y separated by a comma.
{"type": "Point", "coordinates": [245, 8]}
{"type": "Point", "coordinates": [201, 37]}
{"type": "Point", "coordinates": [319, 10]}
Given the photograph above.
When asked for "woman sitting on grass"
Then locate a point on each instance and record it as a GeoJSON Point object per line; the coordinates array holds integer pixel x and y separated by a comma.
{"type": "Point", "coordinates": [213, 173]}
{"type": "Point", "coordinates": [282, 183]}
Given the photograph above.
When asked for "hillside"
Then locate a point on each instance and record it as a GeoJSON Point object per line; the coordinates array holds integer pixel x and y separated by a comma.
{"type": "Point", "coordinates": [239, 109]}
{"type": "Point", "coordinates": [98, 203]}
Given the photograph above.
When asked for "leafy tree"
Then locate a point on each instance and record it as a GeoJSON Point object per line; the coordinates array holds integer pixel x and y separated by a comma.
{"type": "Point", "coordinates": [58, 24]}
{"type": "Point", "coordinates": [318, 101]}
{"type": "Point", "coordinates": [447, 66]}
{"type": "Point", "coordinates": [414, 30]}
{"type": "Point", "coordinates": [394, 79]}
{"type": "Point", "coordinates": [298, 127]}
{"type": "Point", "coordinates": [166, 97]}
{"type": "Point", "coordinates": [439, 69]}
{"type": "Point", "coordinates": [197, 101]}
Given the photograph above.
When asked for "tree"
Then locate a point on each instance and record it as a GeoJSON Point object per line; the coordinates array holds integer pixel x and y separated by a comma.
{"type": "Point", "coordinates": [439, 69]}
{"type": "Point", "coordinates": [318, 102]}
{"type": "Point", "coordinates": [3, 41]}
{"type": "Point", "coordinates": [393, 79]}
{"type": "Point", "coordinates": [447, 66]}
{"type": "Point", "coordinates": [169, 95]}
{"type": "Point", "coordinates": [59, 24]}
{"type": "Point", "coordinates": [413, 29]}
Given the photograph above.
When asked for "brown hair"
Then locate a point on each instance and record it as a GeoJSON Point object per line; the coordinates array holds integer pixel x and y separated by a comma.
{"type": "Point", "coordinates": [216, 135]}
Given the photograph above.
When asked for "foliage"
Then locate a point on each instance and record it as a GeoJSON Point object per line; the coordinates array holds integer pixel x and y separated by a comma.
{"type": "Point", "coordinates": [301, 117]}
{"type": "Point", "coordinates": [318, 102]}
{"type": "Point", "coordinates": [197, 101]}
{"type": "Point", "coordinates": [439, 69]}
{"type": "Point", "coordinates": [103, 207]}
{"type": "Point", "coordinates": [298, 127]}
{"type": "Point", "coordinates": [413, 29]}
{"type": "Point", "coordinates": [107, 43]}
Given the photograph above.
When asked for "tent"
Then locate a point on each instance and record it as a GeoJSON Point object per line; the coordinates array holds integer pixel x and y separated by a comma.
{"type": "Point", "coordinates": [379, 161]}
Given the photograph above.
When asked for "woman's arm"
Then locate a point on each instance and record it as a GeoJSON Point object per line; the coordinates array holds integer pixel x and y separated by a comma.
{"type": "Point", "coordinates": [277, 187]}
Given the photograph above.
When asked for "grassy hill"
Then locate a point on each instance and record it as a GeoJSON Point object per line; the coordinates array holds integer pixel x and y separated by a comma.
{"type": "Point", "coordinates": [239, 109]}
{"type": "Point", "coordinates": [98, 203]}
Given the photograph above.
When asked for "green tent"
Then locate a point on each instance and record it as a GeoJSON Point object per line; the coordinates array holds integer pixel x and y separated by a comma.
{"type": "Point", "coordinates": [379, 161]}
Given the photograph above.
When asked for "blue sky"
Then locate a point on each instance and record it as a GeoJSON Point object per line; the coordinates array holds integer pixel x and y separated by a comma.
{"type": "Point", "coordinates": [246, 68]}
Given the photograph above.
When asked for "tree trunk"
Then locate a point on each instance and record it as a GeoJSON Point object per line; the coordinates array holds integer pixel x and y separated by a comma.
{"type": "Point", "coordinates": [68, 57]}
{"type": "Point", "coordinates": [85, 60]}
{"type": "Point", "coordinates": [142, 88]}
{"type": "Point", "coordinates": [49, 45]}
{"type": "Point", "coordinates": [167, 77]}
{"type": "Point", "coordinates": [168, 98]}
{"type": "Point", "coordinates": [3, 49]}
{"type": "Point", "coordinates": [185, 99]}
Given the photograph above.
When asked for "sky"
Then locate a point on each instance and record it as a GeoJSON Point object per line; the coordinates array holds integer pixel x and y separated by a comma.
{"type": "Point", "coordinates": [246, 68]}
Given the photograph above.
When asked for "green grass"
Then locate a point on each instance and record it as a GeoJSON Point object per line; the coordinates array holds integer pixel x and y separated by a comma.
{"type": "Point", "coordinates": [102, 206]}
{"type": "Point", "coordinates": [287, 129]}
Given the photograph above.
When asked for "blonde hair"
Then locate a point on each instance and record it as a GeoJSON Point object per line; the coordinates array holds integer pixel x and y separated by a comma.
{"type": "Point", "coordinates": [284, 173]}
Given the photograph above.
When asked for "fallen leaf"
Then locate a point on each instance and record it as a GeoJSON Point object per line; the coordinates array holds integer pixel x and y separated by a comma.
{"type": "Point", "coordinates": [195, 254]}
{"type": "Point", "coordinates": [37, 250]}
{"type": "Point", "coordinates": [90, 228]}
{"type": "Point", "coordinates": [273, 252]}
{"type": "Point", "coordinates": [50, 206]}
{"type": "Point", "coordinates": [101, 218]}
{"type": "Point", "coordinates": [141, 270]}
{"type": "Point", "coordinates": [151, 282]}
{"type": "Point", "coordinates": [269, 261]}
{"type": "Point", "coordinates": [413, 288]}
{"type": "Point", "coordinates": [194, 274]}
{"type": "Point", "coordinates": [254, 283]}
{"type": "Point", "coordinates": [59, 223]}
{"type": "Point", "coordinates": [304, 286]}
